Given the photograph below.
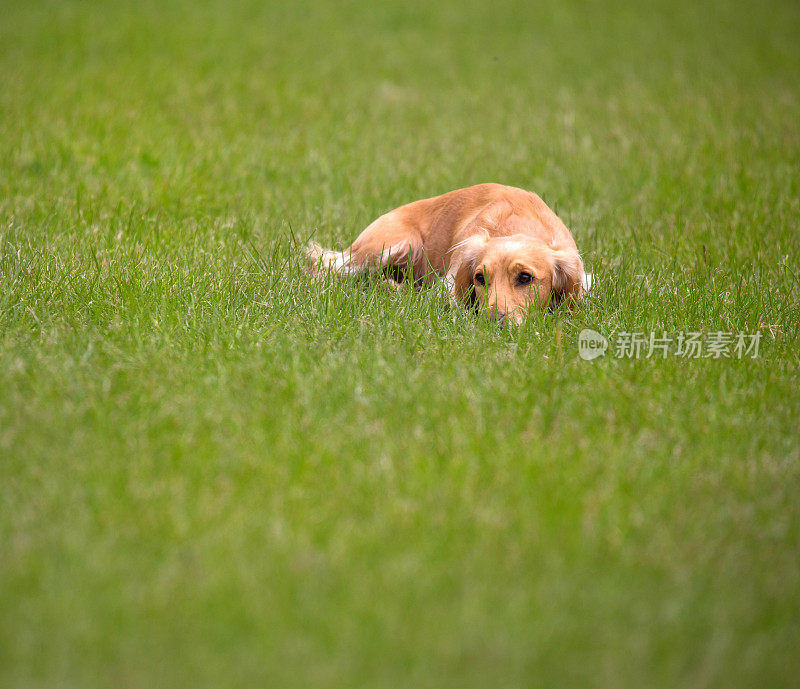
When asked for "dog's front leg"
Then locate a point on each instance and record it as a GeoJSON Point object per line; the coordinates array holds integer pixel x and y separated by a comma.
{"type": "Point", "coordinates": [450, 286]}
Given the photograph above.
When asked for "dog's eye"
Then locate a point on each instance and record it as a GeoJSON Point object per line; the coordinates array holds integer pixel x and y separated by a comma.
{"type": "Point", "coordinates": [479, 279]}
{"type": "Point", "coordinates": [524, 278]}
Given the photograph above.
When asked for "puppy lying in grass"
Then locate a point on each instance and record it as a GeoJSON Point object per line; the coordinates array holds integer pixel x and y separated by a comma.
{"type": "Point", "coordinates": [499, 248]}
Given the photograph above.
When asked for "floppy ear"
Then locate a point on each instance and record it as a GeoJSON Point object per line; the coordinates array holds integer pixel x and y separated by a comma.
{"type": "Point", "coordinates": [567, 276]}
{"type": "Point", "coordinates": [465, 256]}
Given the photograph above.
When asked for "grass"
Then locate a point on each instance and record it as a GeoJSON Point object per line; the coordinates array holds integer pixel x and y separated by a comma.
{"type": "Point", "coordinates": [215, 473]}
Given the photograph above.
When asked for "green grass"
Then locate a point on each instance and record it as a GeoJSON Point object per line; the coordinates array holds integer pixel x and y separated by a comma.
{"type": "Point", "coordinates": [215, 472]}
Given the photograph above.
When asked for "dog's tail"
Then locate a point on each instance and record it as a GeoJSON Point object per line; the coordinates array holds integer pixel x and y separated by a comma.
{"type": "Point", "coordinates": [320, 259]}
{"type": "Point", "coordinates": [314, 254]}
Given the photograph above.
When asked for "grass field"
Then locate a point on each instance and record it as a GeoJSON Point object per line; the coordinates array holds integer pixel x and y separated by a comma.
{"type": "Point", "coordinates": [215, 473]}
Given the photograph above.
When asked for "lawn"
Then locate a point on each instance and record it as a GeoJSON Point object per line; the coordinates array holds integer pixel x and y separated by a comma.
{"type": "Point", "coordinates": [215, 472]}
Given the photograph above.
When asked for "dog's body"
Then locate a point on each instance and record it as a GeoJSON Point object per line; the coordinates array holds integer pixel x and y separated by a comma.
{"type": "Point", "coordinates": [499, 245]}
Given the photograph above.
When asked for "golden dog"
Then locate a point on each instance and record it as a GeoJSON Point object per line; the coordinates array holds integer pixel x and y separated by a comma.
{"type": "Point", "coordinates": [500, 248]}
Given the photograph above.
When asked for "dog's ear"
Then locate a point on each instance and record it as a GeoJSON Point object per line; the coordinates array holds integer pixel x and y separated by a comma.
{"type": "Point", "coordinates": [567, 276]}
{"type": "Point", "coordinates": [464, 261]}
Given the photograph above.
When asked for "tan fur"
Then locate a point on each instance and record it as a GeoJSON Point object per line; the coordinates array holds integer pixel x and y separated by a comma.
{"type": "Point", "coordinates": [498, 231]}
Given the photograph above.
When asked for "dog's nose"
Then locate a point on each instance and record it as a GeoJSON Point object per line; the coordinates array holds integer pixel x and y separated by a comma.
{"type": "Point", "coordinates": [498, 315]}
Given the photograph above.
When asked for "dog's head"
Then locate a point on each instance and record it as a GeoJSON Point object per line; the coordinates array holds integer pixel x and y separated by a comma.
{"type": "Point", "coordinates": [505, 276]}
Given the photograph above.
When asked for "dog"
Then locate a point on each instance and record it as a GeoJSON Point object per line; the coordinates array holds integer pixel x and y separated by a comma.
{"type": "Point", "coordinates": [500, 249]}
